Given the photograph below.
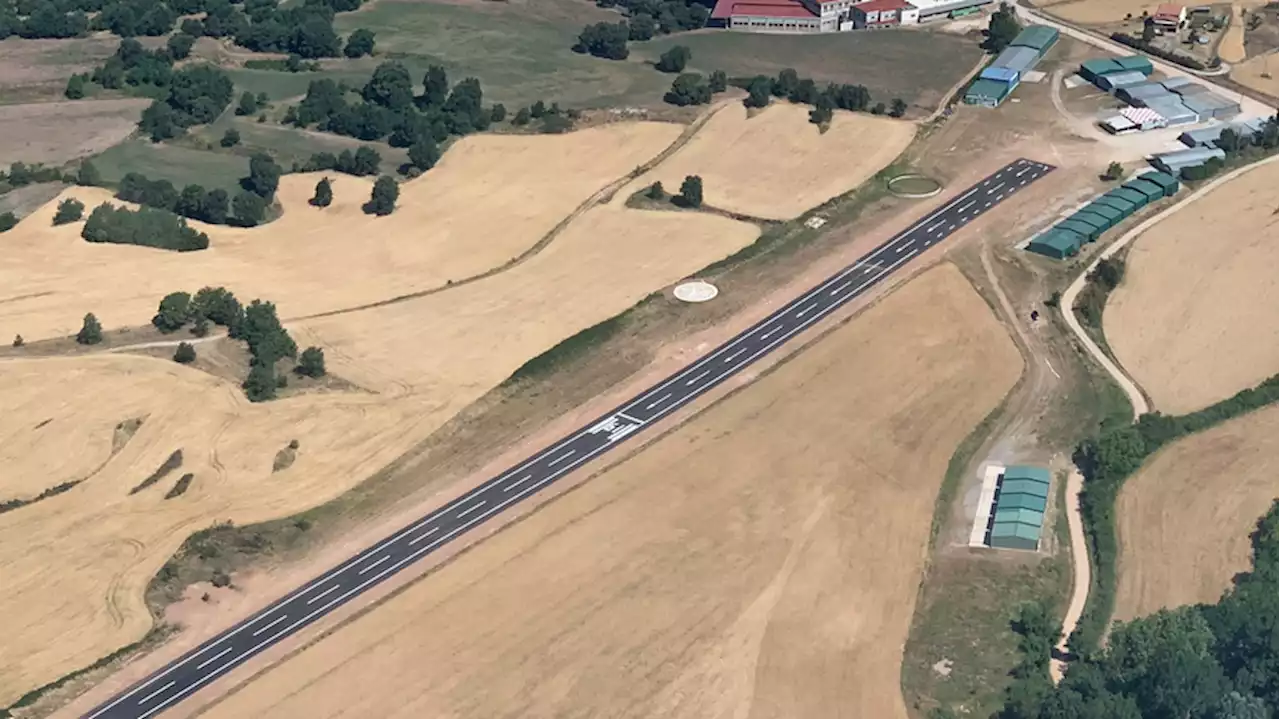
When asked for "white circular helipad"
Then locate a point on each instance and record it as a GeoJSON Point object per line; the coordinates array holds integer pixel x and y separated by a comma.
{"type": "Point", "coordinates": [696, 291]}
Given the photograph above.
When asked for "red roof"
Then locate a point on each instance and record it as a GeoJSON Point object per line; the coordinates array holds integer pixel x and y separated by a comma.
{"type": "Point", "coordinates": [760, 8]}
{"type": "Point", "coordinates": [1168, 10]}
{"type": "Point", "coordinates": [882, 5]}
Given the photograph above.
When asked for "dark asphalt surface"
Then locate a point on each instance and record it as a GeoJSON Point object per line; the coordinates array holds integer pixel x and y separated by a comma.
{"type": "Point", "coordinates": [370, 567]}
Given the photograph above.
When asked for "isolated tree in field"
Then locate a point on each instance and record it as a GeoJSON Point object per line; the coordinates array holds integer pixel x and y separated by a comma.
{"type": "Point", "coordinates": [655, 192]}
{"type": "Point", "coordinates": [1114, 172]}
{"type": "Point", "coordinates": [174, 311]}
{"type": "Point", "coordinates": [69, 210]}
{"type": "Point", "coordinates": [311, 362]}
{"type": "Point", "coordinates": [230, 138]}
{"type": "Point", "coordinates": [606, 40]}
{"type": "Point", "coordinates": [88, 175]}
{"type": "Point", "coordinates": [498, 112]}
{"type": "Point", "coordinates": [674, 60]}
{"type": "Point", "coordinates": [718, 81]}
{"type": "Point", "coordinates": [424, 154]}
{"type": "Point", "coordinates": [1002, 29]}
{"type": "Point", "coordinates": [75, 87]}
{"type": "Point", "coordinates": [248, 104]}
{"type": "Point", "coordinates": [260, 385]}
{"type": "Point", "coordinates": [324, 193]}
{"type": "Point", "coordinates": [897, 108]}
{"type": "Point", "coordinates": [18, 341]}
{"type": "Point", "coordinates": [521, 118]}
{"type": "Point", "coordinates": [690, 192]}
{"type": "Point", "coordinates": [8, 221]}
{"type": "Point", "coordinates": [264, 175]}
{"type": "Point", "coordinates": [382, 201]}
{"type": "Point", "coordinates": [758, 91]}
{"type": "Point", "coordinates": [90, 331]}
{"type": "Point", "coordinates": [359, 44]}
{"type": "Point", "coordinates": [185, 354]}
{"type": "Point", "coordinates": [249, 209]}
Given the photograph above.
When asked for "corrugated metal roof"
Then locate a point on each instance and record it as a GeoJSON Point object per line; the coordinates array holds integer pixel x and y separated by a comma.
{"type": "Point", "coordinates": [1125, 78]}
{"type": "Point", "coordinates": [1025, 471]}
{"type": "Point", "coordinates": [1017, 58]}
{"type": "Point", "coordinates": [1029, 486]}
{"type": "Point", "coordinates": [999, 74]}
{"type": "Point", "coordinates": [1144, 90]}
{"type": "Point", "coordinates": [1193, 155]}
{"type": "Point", "coordinates": [1159, 178]}
{"type": "Point", "coordinates": [1019, 515]}
{"type": "Point", "coordinates": [1125, 207]}
{"type": "Point", "coordinates": [1150, 190]}
{"type": "Point", "coordinates": [1138, 199]}
{"type": "Point", "coordinates": [992, 89]}
{"type": "Point", "coordinates": [1099, 222]}
{"type": "Point", "coordinates": [1176, 81]}
{"type": "Point", "coordinates": [1173, 110]}
{"type": "Point", "coordinates": [1207, 103]}
{"type": "Point", "coordinates": [1110, 213]}
{"type": "Point", "coordinates": [1083, 229]}
{"type": "Point", "coordinates": [1039, 37]}
{"type": "Point", "coordinates": [1002, 530]}
{"type": "Point", "coordinates": [1190, 89]}
{"type": "Point", "coordinates": [1100, 66]}
{"type": "Point", "coordinates": [1021, 499]}
{"type": "Point", "coordinates": [1141, 115]}
{"type": "Point", "coordinates": [948, 7]}
{"type": "Point", "coordinates": [1135, 62]}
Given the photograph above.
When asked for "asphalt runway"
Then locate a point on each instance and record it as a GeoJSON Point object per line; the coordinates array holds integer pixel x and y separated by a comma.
{"type": "Point", "coordinates": [339, 585]}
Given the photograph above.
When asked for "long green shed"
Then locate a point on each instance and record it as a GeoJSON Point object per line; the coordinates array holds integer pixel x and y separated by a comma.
{"type": "Point", "coordinates": [1015, 535]}
{"type": "Point", "coordinates": [1125, 207]}
{"type": "Point", "coordinates": [1038, 37]}
{"type": "Point", "coordinates": [1022, 500]}
{"type": "Point", "coordinates": [1093, 69]}
{"type": "Point", "coordinates": [1112, 215]}
{"type": "Point", "coordinates": [1056, 243]}
{"type": "Point", "coordinates": [1138, 199]}
{"type": "Point", "coordinates": [1141, 63]}
{"type": "Point", "coordinates": [1146, 188]}
{"type": "Point", "coordinates": [1099, 223]}
{"type": "Point", "coordinates": [1019, 511]}
{"type": "Point", "coordinates": [1084, 229]}
{"type": "Point", "coordinates": [1167, 182]}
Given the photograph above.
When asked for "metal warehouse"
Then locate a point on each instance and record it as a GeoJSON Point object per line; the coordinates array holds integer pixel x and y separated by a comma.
{"type": "Point", "coordinates": [1056, 243]}
{"type": "Point", "coordinates": [1099, 223]}
{"type": "Point", "coordinates": [987, 93]}
{"type": "Point", "coordinates": [1019, 509]}
{"type": "Point", "coordinates": [1136, 62]}
{"type": "Point", "coordinates": [1038, 37]}
{"type": "Point", "coordinates": [1137, 199]}
{"type": "Point", "coordinates": [1124, 206]}
{"type": "Point", "coordinates": [1084, 229]}
{"type": "Point", "coordinates": [1115, 81]}
{"type": "Point", "coordinates": [1007, 75]}
{"type": "Point", "coordinates": [1208, 104]}
{"type": "Point", "coordinates": [1017, 58]}
{"type": "Point", "coordinates": [1135, 94]}
{"type": "Point", "coordinates": [1150, 190]}
{"type": "Point", "coordinates": [1209, 136]}
{"type": "Point", "coordinates": [1112, 215]}
{"type": "Point", "coordinates": [1093, 70]}
{"type": "Point", "coordinates": [1176, 82]}
{"type": "Point", "coordinates": [1173, 162]}
{"type": "Point", "coordinates": [1173, 111]}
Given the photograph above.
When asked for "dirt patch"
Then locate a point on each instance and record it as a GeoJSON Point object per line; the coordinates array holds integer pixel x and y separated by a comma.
{"type": "Point", "coordinates": [38, 69]}
{"type": "Point", "coordinates": [776, 164]}
{"type": "Point", "coordinates": [1184, 520]}
{"type": "Point", "coordinates": [739, 585]}
{"type": "Point", "coordinates": [1195, 319]}
{"type": "Point", "coordinates": [1098, 12]}
{"type": "Point", "coordinates": [56, 132]}
{"type": "Point", "coordinates": [491, 198]}
{"type": "Point", "coordinates": [428, 358]}
{"type": "Point", "coordinates": [1259, 73]}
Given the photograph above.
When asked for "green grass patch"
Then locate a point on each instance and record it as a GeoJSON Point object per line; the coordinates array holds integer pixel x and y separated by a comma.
{"type": "Point", "coordinates": [519, 51]}
{"type": "Point", "coordinates": [916, 65]}
{"type": "Point", "coordinates": [286, 144]}
{"type": "Point", "coordinates": [574, 346]}
{"type": "Point", "coordinates": [180, 165]}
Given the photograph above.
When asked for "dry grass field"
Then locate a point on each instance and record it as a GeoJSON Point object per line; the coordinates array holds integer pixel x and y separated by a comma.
{"type": "Point", "coordinates": [1195, 319]}
{"type": "Point", "coordinates": [1098, 12]}
{"type": "Point", "coordinates": [1261, 73]}
{"type": "Point", "coordinates": [776, 164]}
{"type": "Point", "coordinates": [424, 359]}
{"type": "Point", "coordinates": [761, 561]}
{"type": "Point", "coordinates": [57, 132]}
{"type": "Point", "coordinates": [490, 198]}
{"type": "Point", "coordinates": [38, 69]}
{"type": "Point", "coordinates": [1185, 518]}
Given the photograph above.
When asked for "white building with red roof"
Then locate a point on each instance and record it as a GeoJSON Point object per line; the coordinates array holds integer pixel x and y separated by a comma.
{"type": "Point", "coordinates": [833, 15]}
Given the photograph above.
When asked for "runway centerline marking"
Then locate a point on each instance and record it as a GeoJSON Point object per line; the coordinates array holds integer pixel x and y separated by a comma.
{"type": "Point", "coordinates": [368, 568]}
{"type": "Point", "coordinates": [561, 458]}
{"type": "Point", "coordinates": [320, 596]}
{"type": "Point", "coordinates": [699, 376]}
{"type": "Point", "coordinates": [516, 483]}
{"type": "Point", "coordinates": [153, 694]}
{"type": "Point", "coordinates": [480, 504]}
{"type": "Point", "coordinates": [279, 619]}
{"type": "Point", "coordinates": [214, 658]}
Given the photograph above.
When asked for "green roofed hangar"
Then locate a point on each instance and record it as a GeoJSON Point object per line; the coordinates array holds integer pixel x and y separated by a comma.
{"type": "Point", "coordinates": [1020, 500]}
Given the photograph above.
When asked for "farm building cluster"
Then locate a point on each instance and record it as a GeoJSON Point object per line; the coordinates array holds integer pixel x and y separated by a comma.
{"type": "Point", "coordinates": [1011, 506]}
{"type": "Point", "coordinates": [998, 80]}
{"type": "Point", "coordinates": [805, 16]}
{"type": "Point", "coordinates": [1153, 104]}
{"type": "Point", "coordinates": [1103, 213]}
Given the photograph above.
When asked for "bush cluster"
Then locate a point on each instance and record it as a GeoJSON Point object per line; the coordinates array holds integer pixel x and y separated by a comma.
{"type": "Point", "coordinates": [146, 226]}
{"type": "Point", "coordinates": [1093, 298]}
{"type": "Point", "coordinates": [645, 19]}
{"type": "Point", "coordinates": [21, 174]}
{"type": "Point", "coordinates": [788, 84]}
{"type": "Point", "coordinates": [361, 163]}
{"type": "Point", "coordinates": [391, 108]}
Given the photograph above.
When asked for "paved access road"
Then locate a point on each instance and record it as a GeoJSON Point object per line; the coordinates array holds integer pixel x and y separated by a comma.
{"type": "Point", "coordinates": [337, 586]}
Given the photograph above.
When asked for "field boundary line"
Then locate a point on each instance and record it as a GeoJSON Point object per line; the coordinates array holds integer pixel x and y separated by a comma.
{"type": "Point", "coordinates": [1137, 399]}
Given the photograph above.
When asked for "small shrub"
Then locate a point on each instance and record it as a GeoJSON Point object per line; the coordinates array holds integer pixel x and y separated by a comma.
{"type": "Point", "coordinates": [90, 331]}
{"type": "Point", "coordinates": [185, 354]}
{"type": "Point", "coordinates": [69, 210]}
{"type": "Point", "coordinates": [220, 579]}
{"type": "Point", "coordinates": [311, 363]}
{"type": "Point", "coordinates": [655, 192]}
{"type": "Point", "coordinates": [230, 138]}
{"type": "Point", "coordinates": [690, 192]}
{"type": "Point", "coordinates": [8, 221]}
{"type": "Point", "coordinates": [18, 341]}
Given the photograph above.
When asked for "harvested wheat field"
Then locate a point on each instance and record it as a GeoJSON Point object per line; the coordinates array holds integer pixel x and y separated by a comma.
{"type": "Point", "coordinates": [1098, 12]}
{"type": "Point", "coordinates": [737, 567]}
{"type": "Point", "coordinates": [1185, 519]}
{"type": "Point", "coordinates": [491, 198]}
{"type": "Point", "coordinates": [776, 164]}
{"type": "Point", "coordinates": [56, 132]}
{"type": "Point", "coordinates": [76, 564]}
{"type": "Point", "coordinates": [1195, 319]}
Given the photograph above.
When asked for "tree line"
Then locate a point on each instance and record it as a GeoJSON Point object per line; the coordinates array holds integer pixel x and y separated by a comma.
{"type": "Point", "coordinates": [145, 226]}
{"type": "Point", "coordinates": [788, 84]}
{"type": "Point", "coordinates": [247, 209]}
{"type": "Point", "coordinates": [644, 20]}
{"type": "Point", "coordinates": [304, 30]}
